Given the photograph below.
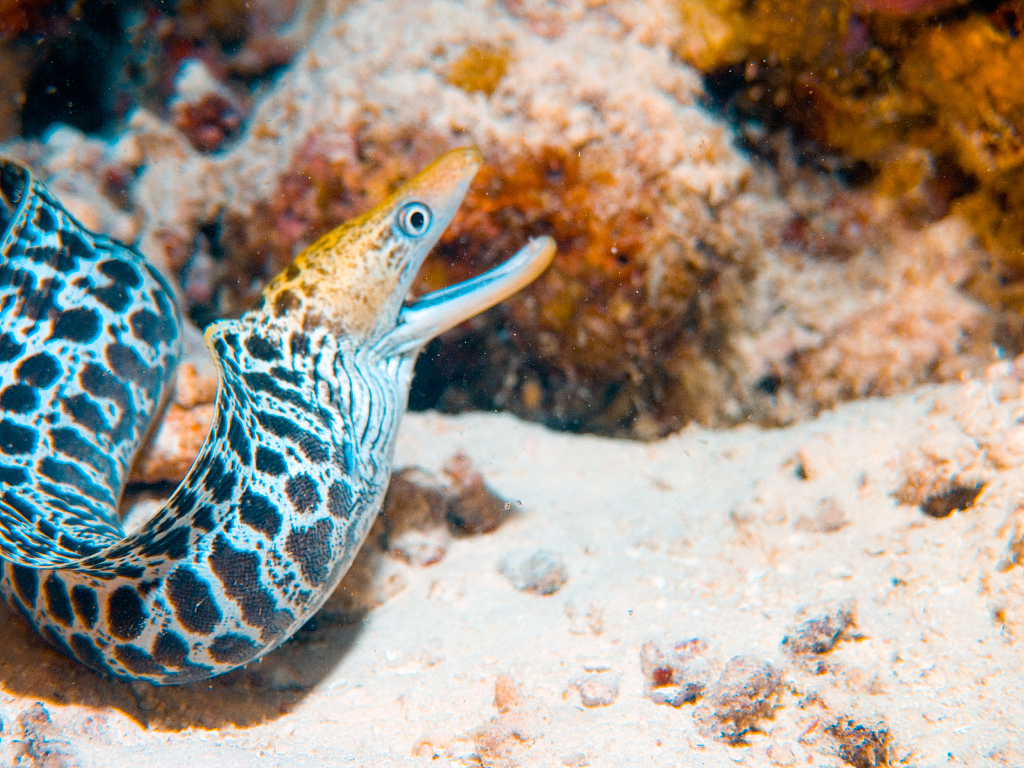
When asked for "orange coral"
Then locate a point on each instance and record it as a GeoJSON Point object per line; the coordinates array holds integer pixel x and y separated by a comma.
{"type": "Point", "coordinates": [934, 109]}
{"type": "Point", "coordinates": [480, 68]}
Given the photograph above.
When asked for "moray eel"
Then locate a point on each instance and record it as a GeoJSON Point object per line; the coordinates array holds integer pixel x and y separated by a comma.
{"type": "Point", "coordinates": [313, 383]}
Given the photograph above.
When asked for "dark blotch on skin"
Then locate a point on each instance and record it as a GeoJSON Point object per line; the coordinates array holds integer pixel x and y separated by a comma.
{"type": "Point", "coordinates": [263, 382]}
{"type": "Point", "coordinates": [19, 398]}
{"type": "Point", "coordinates": [126, 614]}
{"type": "Point", "coordinates": [232, 649]}
{"type": "Point", "coordinates": [239, 441]}
{"type": "Point", "coordinates": [85, 412]}
{"type": "Point", "coordinates": [214, 472]}
{"type": "Point", "coordinates": [285, 302]}
{"type": "Point", "coordinates": [76, 545]}
{"type": "Point", "coordinates": [118, 551]}
{"type": "Point", "coordinates": [220, 421]}
{"type": "Point", "coordinates": [21, 280]}
{"type": "Point", "coordinates": [220, 349]}
{"type": "Point", "coordinates": [170, 649]}
{"type": "Point", "coordinates": [339, 500]}
{"type": "Point", "coordinates": [262, 349]}
{"type": "Point", "coordinates": [27, 511]}
{"type": "Point", "coordinates": [137, 660]}
{"type": "Point", "coordinates": [9, 347]}
{"type": "Point", "coordinates": [203, 518]}
{"type": "Point", "coordinates": [26, 583]}
{"type": "Point", "coordinates": [218, 482]}
{"type": "Point", "coordinates": [127, 364]}
{"type": "Point", "coordinates": [311, 549]}
{"type": "Point", "coordinates": [13, 476]}
{"type": "Point", "coordinates": [44, 219]}
{"type": "Point", "coordinates": [102, 383]}
{"type": "Point", "coordinates": [238, 573]}
{"type": "Point", "coordinates": [151, 328]}
{"type": "Point", "coordinates": [74, 248]}
{"type": "Point", "coordinates": [79, 324]}
{"type": "Point", "coordinates": [116, 295]}
{"type": "Point", "coordinates": [267, 460]}
{"type": "Point", "coordinates": [312, 447]}
{"type": "Point", "coordinates": [113, 296]}
{"type": "Point", "coordinates": [299, 343]}
{"type": "Point", "coordinates": [287, 375]}
{"type": "Point", "coordinates": [48, 529]}
{"type": "Point", "coordinates": [87, 652]}
{"type": "Point", "coordinates": [259, 513]}
{"type": "Point", "coordinates": [192, 601]}
{"type": "Point", "coordinates": [57, 601]}
{"type": "Point", "coordinates": [173, 544]}
{"type": "Point", "coordinates": [121, 272]}
{"type": "Point", "coordinates": [161, 295]}
{"type": "Point", "coordinates": [16, 439]}
{"type": "Point", "coordinates": [234, 391]}
{"type": "Point", "coordinates": [184, 499]}
{"type": "Point", "coordinates": [302, 493]}
{"type": "Point", "coordinates": [70, 474]}
{"type": "Point", "coordinates": [38, 303]}
{"type": "Point", "coordinates": [40, 370]}
{"type": "Point", "coordinates": [69, 443]}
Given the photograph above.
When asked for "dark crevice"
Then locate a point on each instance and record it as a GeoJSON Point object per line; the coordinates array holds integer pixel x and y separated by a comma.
{"type": "Point", "coordinates": [72, 84]}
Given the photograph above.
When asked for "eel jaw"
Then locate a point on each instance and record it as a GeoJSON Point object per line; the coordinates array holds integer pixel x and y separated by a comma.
{"type": "Point", "coordinates": [436, 312]}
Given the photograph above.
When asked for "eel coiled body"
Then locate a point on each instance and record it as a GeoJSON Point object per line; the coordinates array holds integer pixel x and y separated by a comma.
{"type": "Point", "coordinates": [313, 382]}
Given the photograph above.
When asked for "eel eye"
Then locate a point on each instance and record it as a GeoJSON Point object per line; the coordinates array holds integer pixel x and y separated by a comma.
{"type": "Point", "coordinates": [414, 219]}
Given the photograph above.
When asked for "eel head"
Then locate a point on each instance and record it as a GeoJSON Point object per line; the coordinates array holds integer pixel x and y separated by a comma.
{"type": "Point", "coordinates": [355, 278]}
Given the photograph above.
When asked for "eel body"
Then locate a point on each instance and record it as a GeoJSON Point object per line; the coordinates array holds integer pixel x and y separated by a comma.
{"type": "Point", "coordinates": [313, 382]}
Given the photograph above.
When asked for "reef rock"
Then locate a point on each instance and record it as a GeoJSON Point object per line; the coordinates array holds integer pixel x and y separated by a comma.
{"type": "Point", "coordinates": [692, 283]}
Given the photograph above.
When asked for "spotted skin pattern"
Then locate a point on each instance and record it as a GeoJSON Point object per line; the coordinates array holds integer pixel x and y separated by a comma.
{"type": "Point", "coordinates": [313, 382]}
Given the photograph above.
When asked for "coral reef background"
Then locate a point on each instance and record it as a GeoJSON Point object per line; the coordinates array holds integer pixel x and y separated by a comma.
{"type": "Point", "coordinates": [849, 233]}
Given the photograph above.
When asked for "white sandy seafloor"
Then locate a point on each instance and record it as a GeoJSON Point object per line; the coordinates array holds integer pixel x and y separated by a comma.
{"type": "Point", "coordinates": [735, 537]}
